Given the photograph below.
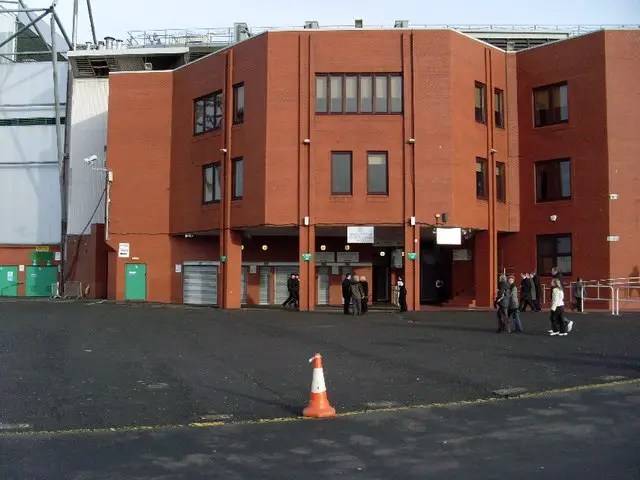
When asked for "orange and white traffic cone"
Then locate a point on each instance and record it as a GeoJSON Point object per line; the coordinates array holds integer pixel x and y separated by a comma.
{"type": "Point", "coordinates": [319, 406]}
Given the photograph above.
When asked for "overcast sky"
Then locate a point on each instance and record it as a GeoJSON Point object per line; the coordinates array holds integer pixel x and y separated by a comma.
{"type": "Point", "coordinates": [116, 17]}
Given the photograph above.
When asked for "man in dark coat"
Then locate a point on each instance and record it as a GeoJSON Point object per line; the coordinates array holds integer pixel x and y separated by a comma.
{"type": "Point", "coordinates": [365, 293]}
{"type": "Point", "coordinates": [290, 288]}
{"type": "Point", "coordinates": [346, 292]}
{"type": "Point", "coordinates": [535, 281]}
{"type": "Point", "coordinates": [296, 291]}
{"type": "Point", "coordinates": [502, 305]}
{"type": "Point", "coordinates": [525, 291]}
{"type": "Point", "coordinates": [402, 295]}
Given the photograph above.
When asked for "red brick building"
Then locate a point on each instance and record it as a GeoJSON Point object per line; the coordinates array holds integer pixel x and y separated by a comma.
{"type": "Point", "coordinates": [233, 171]}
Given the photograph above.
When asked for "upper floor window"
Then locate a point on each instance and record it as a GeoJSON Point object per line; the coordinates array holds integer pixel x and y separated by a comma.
{"type": "Point", "coordinates": [554, 251]}
{"type": "Point", "coordinates": [237, 167]}
{"type": "Point", "coordinates": [238, 103]}
{"type": "Point", "coordinates": [482, 187]}
{"type": "Point", "coordinates": [498, 107]}
{"type": "Point", "coordinates": [377, 173]}
{"type": "Point", "coordinates": [551, 104]}
{"type": "Point", "coordinates": [553, 180]}
{"type": "Point", "coordinates": [359, 93]}
{"type": "Point", "coordinates": [341, 173]}
{"type": "Point", "coordinates": [501, 182]}
{"type": "Point", "coordinates": [211, 183]}
{"type": "Point", "coordinates": [481, 102]}
{"type": "Point", "coordinates": [207, 112]}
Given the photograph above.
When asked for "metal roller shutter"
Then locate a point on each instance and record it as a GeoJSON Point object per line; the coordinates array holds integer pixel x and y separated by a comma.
{"type": "Point", "coordinates": [200, 284]}
{"type": "Point", "coordinates": [323, 286]}
{"type": "Point", "coordinates": [264, 285]}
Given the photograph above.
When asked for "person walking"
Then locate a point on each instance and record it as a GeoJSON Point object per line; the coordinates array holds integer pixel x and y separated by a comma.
{"type": "Point", "coordinates": [514, 306]}
{"type": "Point", "coordinates": [536, 292]}
{"type": "Point", "coordinates": [402, 295]}
{"type": "Point", "coordinates": [556, 315]}
{"type": "Point", "coordinates": [290, 299]}
{"type": "Point", "coordinates": [578, 294]}
{"type": "Point", "coordinates": [365, 293]}
{"type": "Point", "coordinates": [356, 295]}
{"type": "Point", "coordinates": [502, 305]}
{"type": "Point", "coordinates": [346, 292]}
{"type": "Point", "coordinates": [525, 291]}
{"type": "Point", "coordinates": [296, 292]}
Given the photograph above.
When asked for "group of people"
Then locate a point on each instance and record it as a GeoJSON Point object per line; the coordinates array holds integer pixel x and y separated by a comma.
{"type": "Point", "coordinates": [509, 305]}
{"type": "Point", "coordinates": [355, 294]}
{"type": "Point", "coordinates": [293, 287]}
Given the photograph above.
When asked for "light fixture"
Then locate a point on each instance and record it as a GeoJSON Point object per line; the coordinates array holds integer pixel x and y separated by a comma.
{"type": "Point", "coordinates": [241, 247]}
{"type": "Point", "coordinates": [223, 150]}
{"type": "Point", "coordinates": [265, 247]}
{"type": "Point", "coordinates": [306, 141]}
{"type": "Point", "coordinates": [323, 247]}
{"type": "Point", "coordinates": [347, 247]}
{"type": "Point", "coordinates": [91, 159]}
{"type": "Point", "coordinates": [305, 220]}
{"type": "Point", "coordinates": [553, 218]}
{"type": "Point", "coordinates": [493, 151]}
{"type": "Point", "coordinates": [189, 235]}
{"type": "Point", "coordinates": [383, 253]}
{"type": "Point", "coordinates": [411, 140]}
{"type": "Point", "coordinates": [412, 221]}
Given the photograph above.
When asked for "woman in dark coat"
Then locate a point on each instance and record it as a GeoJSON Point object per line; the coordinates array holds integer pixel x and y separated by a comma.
{"type": "Point", "coordinates": [346, 292]}
{"type": "Point", "coordinates": [365, 293]}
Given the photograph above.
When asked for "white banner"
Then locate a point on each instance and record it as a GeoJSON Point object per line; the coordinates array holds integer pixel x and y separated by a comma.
{"type": "Point", "coordinates": [449, 236]}
{"type": "Point", "coordinates": [360, 235]}
{"type": "Point", "coordinates": [123, 250]}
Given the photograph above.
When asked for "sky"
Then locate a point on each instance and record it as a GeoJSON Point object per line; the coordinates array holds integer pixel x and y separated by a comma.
{"type": "Point", "coordinates": [117, 17]}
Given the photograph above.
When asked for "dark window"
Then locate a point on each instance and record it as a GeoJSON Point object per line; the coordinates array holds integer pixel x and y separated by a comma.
{"type": "Point", "coordinates": [207, 184]}
{"type": "Point", "coordinates": [321, 94]}
{"type": "Point", "coordinates": [482, 187]}
{"type": "Point", "coordinates": [341, 173]}
{"type": "Point", "coordinates": [237, 167]}
{"type": "Point", "coordinates": [207, 112]}
{"type": "Point", "coordinates": [551, 104]}
{"type": "Point", "coordinates": [481, 102]}
{"type": "Point", "coordinates": [335, 93]}
{"type": "Point", "coordinates": [238, 103]}
{"type": "Point", "coordinates": [553, 180]}
{"type": "Point", "coordinates": [501, 182]}
{"type": "Point", "coordinates": [498, 106]}
{"type": "Point", "coordinates": [359, 93]}
{"type": "Point", "coordinates": [554, 251]}
{"type": "Point", "coordinates": [377, 173]}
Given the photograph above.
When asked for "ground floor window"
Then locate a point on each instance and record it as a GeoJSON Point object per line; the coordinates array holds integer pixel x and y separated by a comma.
{"type": "Point", "coordinates": [554, 251]}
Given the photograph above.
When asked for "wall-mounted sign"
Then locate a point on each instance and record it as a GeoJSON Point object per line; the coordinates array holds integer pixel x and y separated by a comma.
{"type": "Point", "coordinates": [360, 234]}
{"type": "Point", "coordinates": [253, 269]}
{"type": "Point", "coordinates": [178, 267]}
{"type": "Point", "coordinates": [21, 268]}
{"type": "Point", "coordinates": [57, 257]}
{"type": "Point", "coordinates": [348, 257]}
{"type": "Point", "coordinates": [325, 257]}
{"type": "Point", "coordinates": [123, 250]}
{"type": "Point", "coordinates": [223, 258]}
{"type": "Point", "coordinates": [306, 257]}
{"type": "Point", "coordinates": [396, 258]}
{"type": "Point", "coordinates": [448, 236]}
{"type": "Point", "coordinates": [411, 255]}
{"type": "Point", "coordinates": [461, 255]}
{"type": "Point", "coordinates": [42, 249]}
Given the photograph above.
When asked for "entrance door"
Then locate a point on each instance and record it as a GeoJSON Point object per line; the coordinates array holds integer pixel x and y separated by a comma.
{"type": "Point", "coordinates": [244, 276]}
{"type": "Point", "coordinates": [135, 285]}
{"type": "Point", "coordinates": [265, 274]}
{"type": "Point", "coordinates": [323, 285]}
{"type": "Point", "coordinates": [381, 283]}
{"type": "Point", "coordinates": [40, 280]}
{"type": "Point", "coordinates": [435, 274]}
{"type": "Point", "coordinates": [200, 285]}
{"type": "Point", "coordinates": [8, 281]}
{"type": "Point", "coordinates": [282, 275]}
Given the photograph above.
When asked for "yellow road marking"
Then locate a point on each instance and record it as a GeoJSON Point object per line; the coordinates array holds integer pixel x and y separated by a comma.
{"type": "Point", "coordinates": [261, 421]}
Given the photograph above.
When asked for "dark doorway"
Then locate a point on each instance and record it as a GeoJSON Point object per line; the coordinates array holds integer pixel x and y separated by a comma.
{"type": "Point", "coordinates": [435, 273]}
{"type": "Point", "coordinates": [381, 283]}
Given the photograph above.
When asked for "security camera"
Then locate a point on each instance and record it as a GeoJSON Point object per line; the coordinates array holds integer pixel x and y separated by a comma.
{"type": "Point", "coordinates": [91, 159]}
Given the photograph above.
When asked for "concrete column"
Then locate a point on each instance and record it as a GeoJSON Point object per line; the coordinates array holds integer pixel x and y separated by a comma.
{"type": "Point", "coordinates": [231, 271]}
{"type": "Point", "coordinates": [306, 244]}
{"type": "Point", "coordinates": [412, 267]}
{"type": "Point", "coordinates": [485, 268]}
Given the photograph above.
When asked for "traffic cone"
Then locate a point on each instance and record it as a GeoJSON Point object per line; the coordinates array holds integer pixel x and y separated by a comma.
{"type": "Point", "coordinates": [319, 406]}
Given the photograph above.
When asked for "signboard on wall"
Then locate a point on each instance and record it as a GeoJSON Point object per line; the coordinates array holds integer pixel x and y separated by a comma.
{"type": "Point", "coordinates": [325, 257]}
{"type": "Point", "coordinates": [348, 257]}
{"type": "Point", "coordinates": [123, 250]}
{"type": "Point", "coordinates": [448, 236]}
{"type": "Point", "coordinates": [461, 255]}
{"type": "Point", "coordinates": [360, 234]}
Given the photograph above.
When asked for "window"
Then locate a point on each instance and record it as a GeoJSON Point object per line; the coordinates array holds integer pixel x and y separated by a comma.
{"type": "Point", "coordinates": [238, 103]}
{"type": "Point", "coordinates": [377, 173]}
{"type": "Point", "coordinates": [553, 180]}
{"type": "Point", "coordinates": [237, 167]}
{"type": "Point", "coordinates": [335, 94]}
{"type": "Point", "coordinates": [481, 102]}
{"type": "Point", "coordinates": [207, 113]}
{"type": "Point", "coordinates": [498, 106]}
{"type": "Point", "coordinates": [210, 183]}
{"type": "Point", "coordinates": [321, 94]}
{"type": "Point", "coordinates": [359, 93]}
{"type": "Point", "coordinates": [551, 104]}
{"type": "Point", "coordinates": [482, 187]}
{"type": "Point", "coordinates": [217, 192]}
{"type": "Point", "coordinates": [381, 96]}
{"type": "Point", "coordinates": [341, 173]}
{"type": "Point", "coordinates": [501, 182]}
{"type": "Point", "coordinates": [554, 251]}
